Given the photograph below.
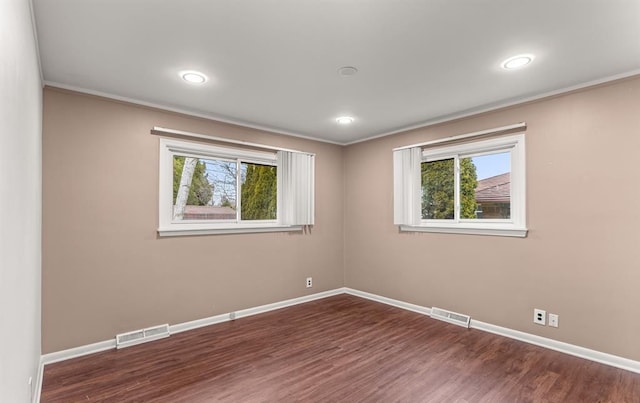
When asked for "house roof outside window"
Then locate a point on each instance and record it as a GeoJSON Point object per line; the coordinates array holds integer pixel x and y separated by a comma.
{"type": "Point", "coordinates": [494, 189]}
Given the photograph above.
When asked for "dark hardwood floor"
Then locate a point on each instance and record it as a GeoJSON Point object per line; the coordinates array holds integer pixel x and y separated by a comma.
{"type": "Point", "coordinates": [338, 349]}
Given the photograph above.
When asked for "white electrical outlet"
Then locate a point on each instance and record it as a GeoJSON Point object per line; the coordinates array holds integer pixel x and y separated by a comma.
{"type": "Point", "coordinates": [309, 282]}
{"type": "Point", "coordinates": [553, 320]}
{"type": "Point", "coordinates": [540, 317]}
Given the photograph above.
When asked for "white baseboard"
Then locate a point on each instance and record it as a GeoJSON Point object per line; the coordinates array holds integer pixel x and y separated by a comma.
{"type": "Point", "coordinates": [37, 388]}
{"type": "Point", "coordinates": [571, 349]}
{"type": "Point", "coordinates": [194, 324]}
{"type": "Point", "coordinates": [393, 302]}
{"type": "Point", "coordinates": [290, 302]}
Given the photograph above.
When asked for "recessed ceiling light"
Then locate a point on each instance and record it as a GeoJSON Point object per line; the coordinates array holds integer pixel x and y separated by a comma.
{"type": "Point", "coordinates": [344, 120]}
{"type": "Point", "coordinates": [517, 62]}
{"type": "Point", "coordinates": [347, 71]}
{"type": "Point", "coordinates": [193, 77]}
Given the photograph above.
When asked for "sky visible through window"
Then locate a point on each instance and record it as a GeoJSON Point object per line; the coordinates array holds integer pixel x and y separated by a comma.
{"type": "Point", "coordinates": [492, 164]}
{"type": "Point", "coordinates": [222, 175]}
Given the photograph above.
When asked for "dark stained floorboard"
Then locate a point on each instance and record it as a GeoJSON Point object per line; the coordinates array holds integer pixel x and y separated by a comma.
{"type": "Point", "coordinates": [338, 349]}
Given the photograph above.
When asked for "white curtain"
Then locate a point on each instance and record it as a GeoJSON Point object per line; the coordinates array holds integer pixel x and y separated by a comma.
{"type": "Point", "coordinates": [296, 183]}
{"type": "Point", "coordinates": [407, 192]}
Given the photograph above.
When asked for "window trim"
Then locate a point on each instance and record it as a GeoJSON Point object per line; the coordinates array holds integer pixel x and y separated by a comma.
{"type": "Point", "coordinates": [167, 226]}
{"type": "Point", "coordinates": [513, 227]}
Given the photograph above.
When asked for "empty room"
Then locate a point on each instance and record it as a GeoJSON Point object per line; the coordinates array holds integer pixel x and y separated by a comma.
{"type": "Point", "coordinates": [319, 201]}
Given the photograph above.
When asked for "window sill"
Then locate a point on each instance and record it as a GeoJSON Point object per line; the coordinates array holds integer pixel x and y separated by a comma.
{"type": "Point", "coordinates": [511, 232]}
{"type": "Point", "coordinates": [236, 229]}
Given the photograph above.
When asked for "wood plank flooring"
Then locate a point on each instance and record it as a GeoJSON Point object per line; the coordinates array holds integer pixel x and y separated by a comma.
{"type": "Point", "coordinates": [338, 349]}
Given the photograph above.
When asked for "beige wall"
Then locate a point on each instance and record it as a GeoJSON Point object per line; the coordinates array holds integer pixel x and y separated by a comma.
{"type": "Point", "coordinates": [105, 271]}
{"type": "Point", "coordinates": [581, 259]}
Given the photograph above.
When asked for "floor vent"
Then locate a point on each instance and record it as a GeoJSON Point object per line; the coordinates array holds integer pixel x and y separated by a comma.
{"type": "Point", "coordinates": [451, 317]}
{"type": "Point", "coordinates": [142, 336]}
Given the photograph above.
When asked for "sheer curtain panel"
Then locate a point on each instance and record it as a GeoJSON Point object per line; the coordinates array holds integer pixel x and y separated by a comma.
{"type": "Point", "coordinates": [406, 186]}
{"type": "Point", "coordinates": [296, 188]}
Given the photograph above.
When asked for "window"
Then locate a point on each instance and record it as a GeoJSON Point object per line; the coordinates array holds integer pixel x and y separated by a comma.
{"type": "Point", "coordinates": [477, 187]}
{"type": "Point", "coordinates": [207, 189]}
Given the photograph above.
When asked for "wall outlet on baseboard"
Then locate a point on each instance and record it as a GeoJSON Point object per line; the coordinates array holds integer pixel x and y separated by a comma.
{"type": "Point", "coordinates": [309, 282]}
{"type": "Point", "coordinates": [540, 317]}
{"type": "Point", "coordinates": [553, 320]}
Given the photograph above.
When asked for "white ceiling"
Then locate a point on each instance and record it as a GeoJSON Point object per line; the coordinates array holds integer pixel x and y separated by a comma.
{"type": "Point", "coordinates": [273, 63]}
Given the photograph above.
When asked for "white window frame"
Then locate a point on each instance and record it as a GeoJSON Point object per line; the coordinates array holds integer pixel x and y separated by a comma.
{"type": "Point", "coordinates": [170, 227]}
{"type": "Point", "coordinates": [514, 226]}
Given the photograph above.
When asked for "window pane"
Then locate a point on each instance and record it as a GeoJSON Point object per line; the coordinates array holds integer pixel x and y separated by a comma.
{"type": "Point", "coordinates": [438, 189]}
{"type": "Point", "coordinates": [204, 189]}
{"type": "Point", "coordinates": [490, 195]}
{"type": "Point", "coordinates": [259, 192]}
